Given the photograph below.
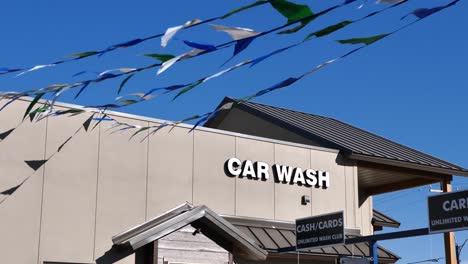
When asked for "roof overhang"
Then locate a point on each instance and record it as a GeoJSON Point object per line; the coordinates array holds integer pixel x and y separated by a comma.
{"type": "Point", "coordinates": [381, 220]}
{"type": "Point", "coordinates": [203, 219]}
{"type": "Point", "coordinates": [404, 164]}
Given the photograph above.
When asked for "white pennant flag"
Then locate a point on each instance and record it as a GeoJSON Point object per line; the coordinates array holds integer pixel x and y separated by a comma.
{"type": "Point", "coordinates": [236, 33]}
{"type": "Point", "coordinates": [227, 70]}
{"type": "Point", "coordinates": [35, 68]}
{"type": "Point", "coordinates": [170, 32]}
{"type": "Point", "coordinates": [171, 62]}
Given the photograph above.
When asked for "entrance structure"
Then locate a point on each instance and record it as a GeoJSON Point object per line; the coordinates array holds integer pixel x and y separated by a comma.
{"type": "Point", "coordinates": [101, 184]}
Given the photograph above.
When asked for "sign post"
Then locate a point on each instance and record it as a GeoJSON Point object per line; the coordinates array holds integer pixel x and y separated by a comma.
{"type": "Point", "coordinates": [320, 231]}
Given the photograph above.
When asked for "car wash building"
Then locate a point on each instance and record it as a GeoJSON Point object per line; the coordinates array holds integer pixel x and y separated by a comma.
{"type": "Point", "coordinates": [228, 192]}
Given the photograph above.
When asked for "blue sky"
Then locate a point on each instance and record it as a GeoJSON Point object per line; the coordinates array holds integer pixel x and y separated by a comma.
{"type": "Point", "coordinates": [410, 87]}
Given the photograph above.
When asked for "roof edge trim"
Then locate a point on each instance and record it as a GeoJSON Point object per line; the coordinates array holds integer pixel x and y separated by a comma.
{"type": "Point", "coordinates": [408, 165]}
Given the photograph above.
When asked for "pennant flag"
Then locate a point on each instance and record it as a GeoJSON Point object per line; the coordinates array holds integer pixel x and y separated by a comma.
{"type": "Point", "coordinates": [199, 46]}
{"type": "Point", "coordinates": [242, 36]}
{"type": "Point", "coordinates": [188, 88]}
{"type": "Point", "coordinates": [14, 98]}
{"type": "Point", "coordinates": [141, 96]}
{"type": "Point", "coordinates": [128, 43]}
{"type": "Point", "coordinates": [282, 84]}
{"type": "Point", "coordinates": [63, 144]}
{"type": "Point", "coordinates": [7, 70]}
{"type": "Point", "coordinates": [206, 117]}
{"type": "Point", "coordinates": [367, 41]}
{"type": "Point", "coordinates": [328, 30]}
{"type": "Point", "coordinates": [11, 190]}
{"type": "Point", "coordinates": [85, 84]}
{"type": "Point", "coordinates": [171, 62]}
{"type": "Point", "coordinates": [6, 134]}
{"type": "Point", "coordinates": [73, 111]}
{"type": "Point", "coordinates": [139, 131]}
{"type": "Point", "coordinates": [81, 55]}
{"type": "Point", "coordinates": [170, 88]}
{"type": "Point", "coordinates": [262, 58]}
{"type": "Point", "coordinates": [160, 57]}
{"type": "Point", "coordinates": [87, 123]}
{"type": "Point", "coordinates": [294, 13]}
{"type": "Point", "coordinates": [31, 105]}
{"type": "Point", "coordinates": [41, 112]}
{"type": "Point", "coordinates": [226, 70]}
{"type": "Point", "coordinates": [121, 70]}
{"type": "Point", "coordinates": [236, 33]}
{"type": "Point", "coordinates": [425, 12]}
{"type": "Point", "coordinates": [389, 1]}
{"type": "Point", "coordinates": [124, 82]}
{"type": "Point", "coordinates": [35, 164]}
{"type": "Point", "coordinates": [35, 68]}
{"type": "Point", "coordinates": [170, 32]}
{"type": "Point", "coordinates": [237, 10]}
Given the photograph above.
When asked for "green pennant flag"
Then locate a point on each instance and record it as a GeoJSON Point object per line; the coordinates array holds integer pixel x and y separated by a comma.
{"type": "Point", "coordinates": [73, 111]}
{"type": "Point", "coordinates": [124, 82]}
{"type": "Point", "coordinates": [85, 54]}
{"type": "Point", "coordinates": [139, 131]}
{"type": "Point", "coordinates": [188, 88]}
{"type": "Point", "coordinates": [366, 41]}
{"type": "Point", "coordinates": [41, 109]}
{"type": "Point", "coordinates": [237, 10]}
{"type": "Point", "coordinates": [294, 13]}
{"type": "Point", "coordinates": [31, 105]}
{"type": "Point", "coordinates": [160, 57]}
{"type": "Point", "coordinates": [328, 30]}
{"type": "Point", "coordinates": [127, 102]}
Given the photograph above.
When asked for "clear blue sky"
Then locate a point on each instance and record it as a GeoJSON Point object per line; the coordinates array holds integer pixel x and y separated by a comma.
{"type": "Point", "coordinates": [411, 87]}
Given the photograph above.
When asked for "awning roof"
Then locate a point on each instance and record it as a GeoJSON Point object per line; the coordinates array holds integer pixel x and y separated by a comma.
{"type": "Point", "coordinates": [381, 220]}
{"type": "Point", "coordinates": [200, 217]}
{"type": "Point", "coordinates": [272, 235]}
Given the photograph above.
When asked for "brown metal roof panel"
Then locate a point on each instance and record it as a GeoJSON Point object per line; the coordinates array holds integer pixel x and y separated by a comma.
{"type": "Point", "coordinates": [347, 137]}
{"type": "Point", "coordinates": [279, 239]}
{"type": "Point", "coordinates": [264, 238]}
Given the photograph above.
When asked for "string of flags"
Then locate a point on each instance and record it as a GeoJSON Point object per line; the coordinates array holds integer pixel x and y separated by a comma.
{"type": "Point", "coordinates": [47, 109]}
{"type": "Point", "coordinates": [294, 13]}
{"type": "Point", "coordinates": [168, 60]}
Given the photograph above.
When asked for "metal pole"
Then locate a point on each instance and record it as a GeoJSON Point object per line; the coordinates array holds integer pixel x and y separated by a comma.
{"type": "Point", "coordinates": [449, 238]}
{"type": "Point", "coordinates": [373, 250]}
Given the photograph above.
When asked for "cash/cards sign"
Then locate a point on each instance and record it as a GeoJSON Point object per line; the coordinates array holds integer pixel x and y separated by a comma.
{"type": "Point", "coordinates": [448, 212]}
{"type": "Point", "coordinates": [320, 231]}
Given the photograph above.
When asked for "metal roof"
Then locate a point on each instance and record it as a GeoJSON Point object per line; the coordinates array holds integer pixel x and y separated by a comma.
{"type": "Point", "coordinates": [203, 219]}
{"type": "Point", "coordinates": [382, 220]}
{"type": "Point", "coordinates": [358, 144]}
{"type": "Point", "coordinates": [273, 235]}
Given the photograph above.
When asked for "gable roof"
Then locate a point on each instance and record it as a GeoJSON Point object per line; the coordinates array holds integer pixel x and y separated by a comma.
{"type": "Point", "coordinates": [354, 142]}
{"type": "Point", "coordinates": [200, 217]}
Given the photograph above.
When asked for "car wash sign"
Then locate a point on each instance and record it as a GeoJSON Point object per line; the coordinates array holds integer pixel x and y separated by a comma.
{"type": "Point", "coordinates": [282, 174]}
{"type": "Point", "coordinates": [448, 212]}
{"type": "Point", "coordinates": [320, 231]}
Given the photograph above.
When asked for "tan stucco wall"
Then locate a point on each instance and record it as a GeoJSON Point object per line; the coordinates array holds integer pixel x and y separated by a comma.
{"type": "Point", "coordinates": [101, 184]}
